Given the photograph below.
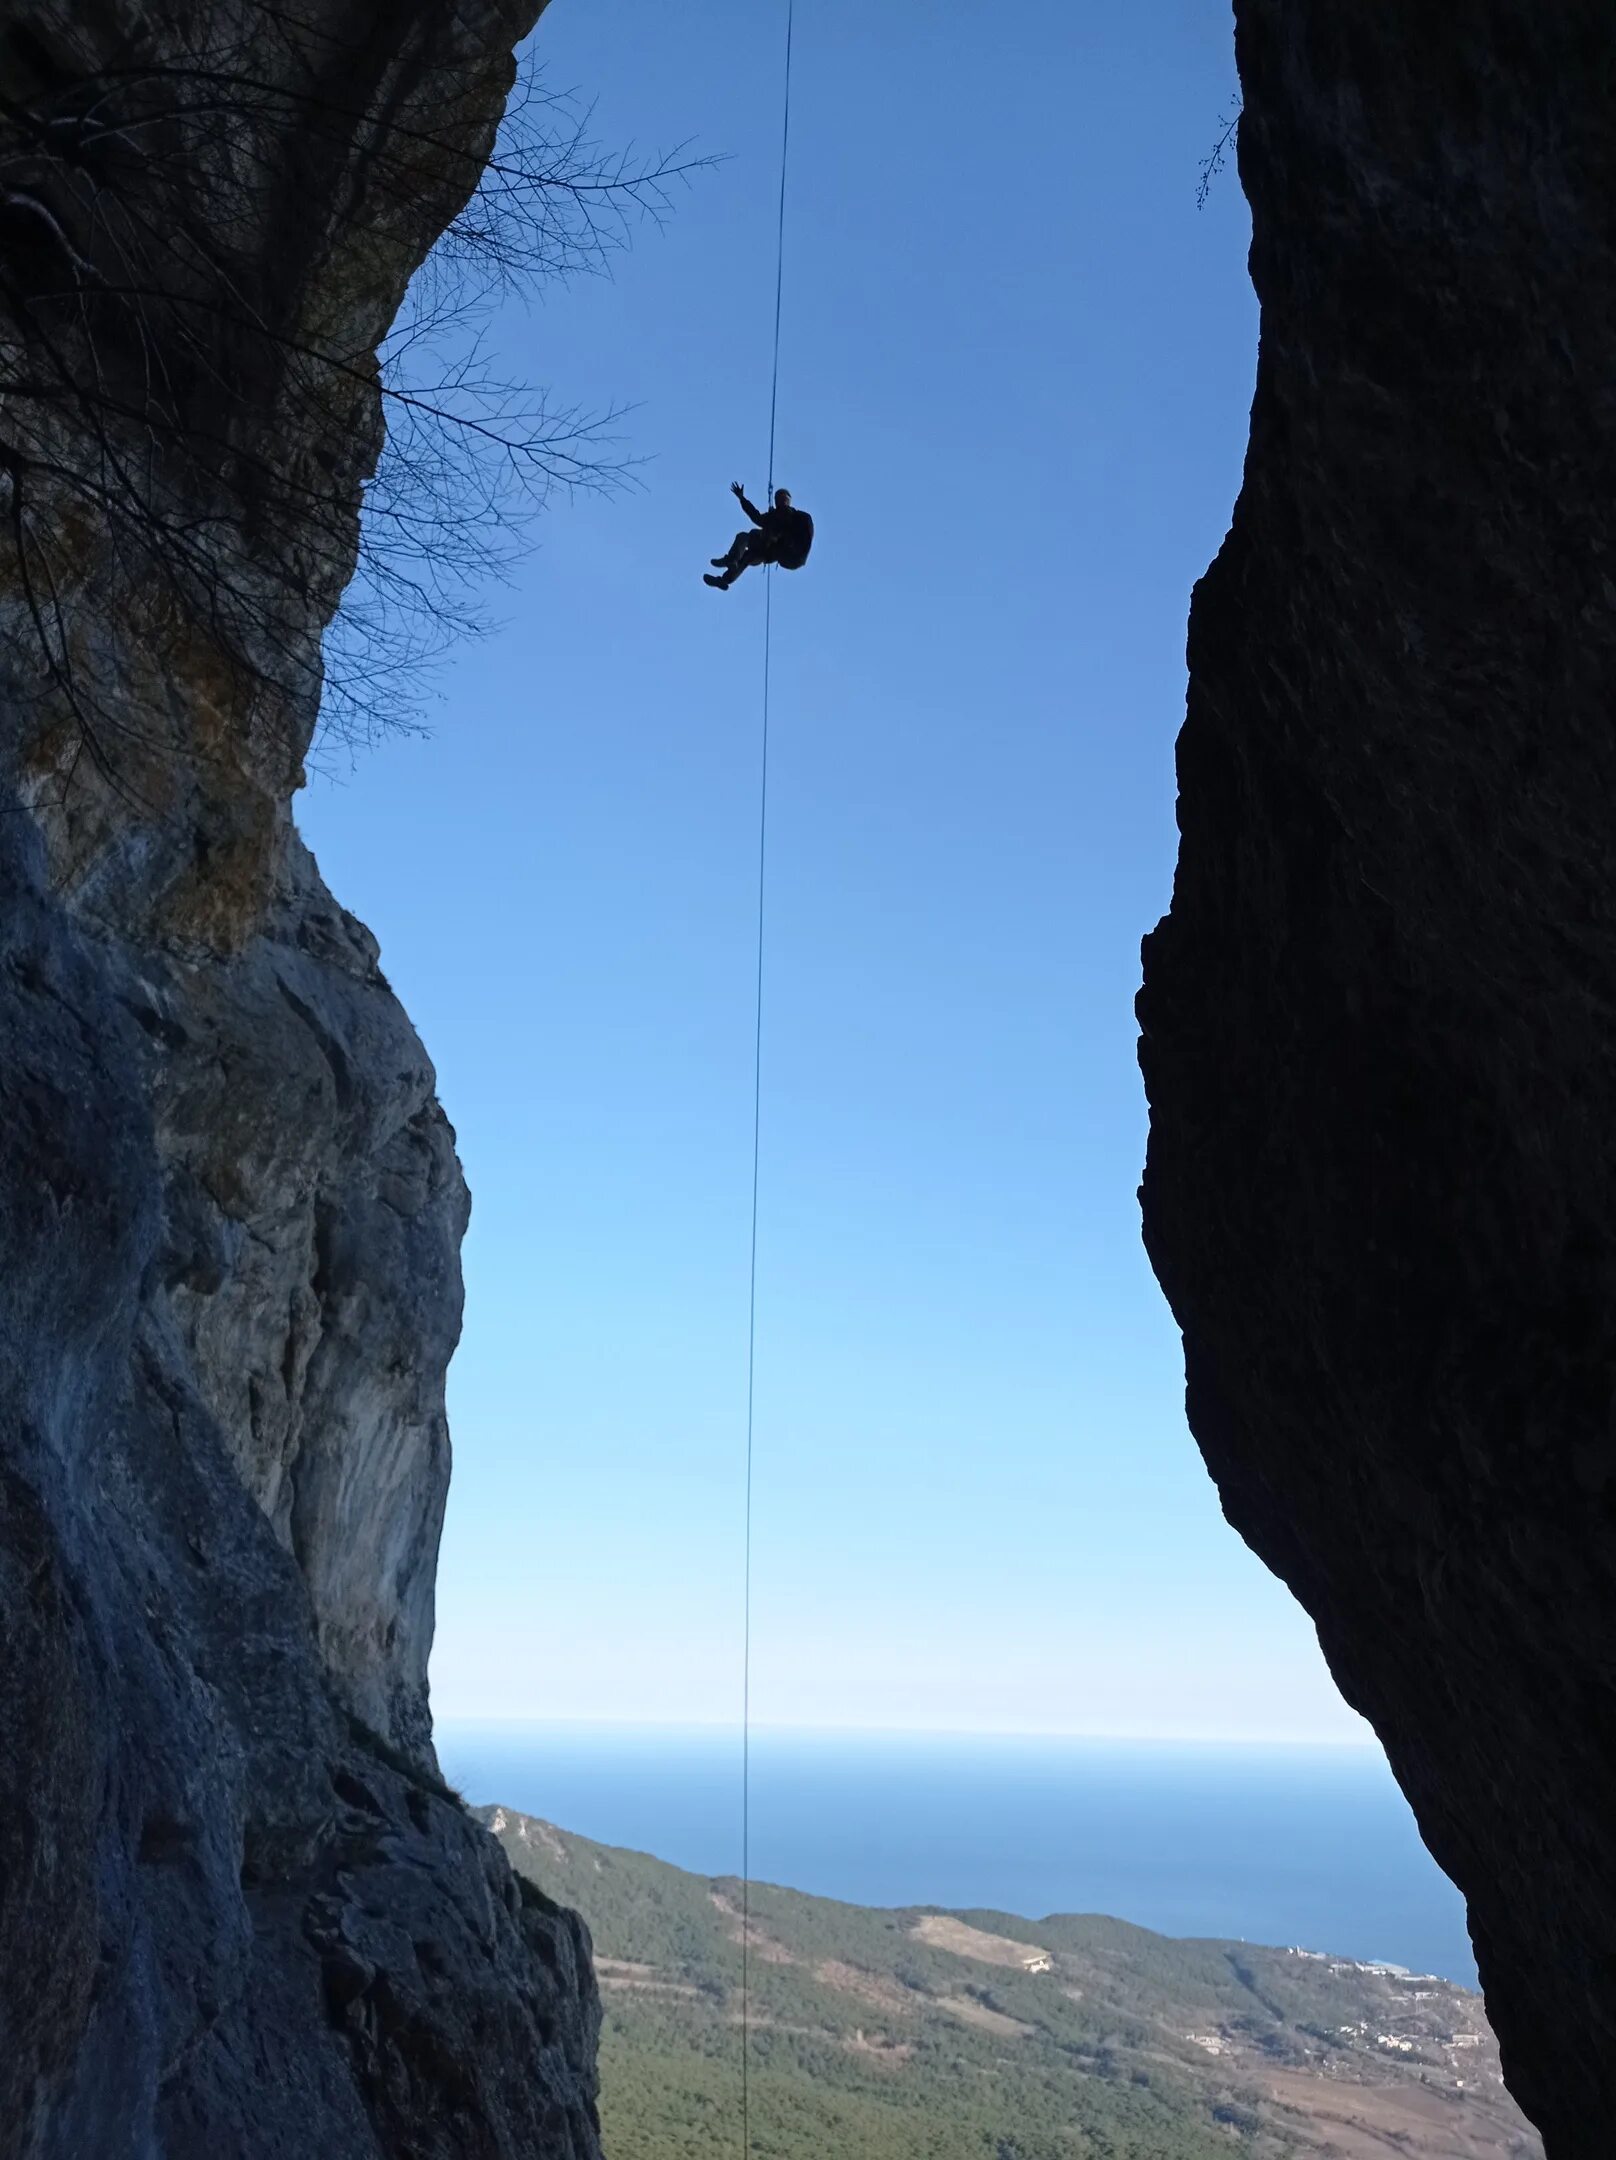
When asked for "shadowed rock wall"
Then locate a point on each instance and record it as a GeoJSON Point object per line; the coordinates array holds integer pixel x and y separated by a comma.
{"type": "Point", "coordinates": [1379, 1023]}
{"type": "Point", "coordinates": [239, 1913]}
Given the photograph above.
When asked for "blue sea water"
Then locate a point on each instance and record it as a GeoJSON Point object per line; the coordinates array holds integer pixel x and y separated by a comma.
{"type": "Point", "coordinates": [1314, 1846]}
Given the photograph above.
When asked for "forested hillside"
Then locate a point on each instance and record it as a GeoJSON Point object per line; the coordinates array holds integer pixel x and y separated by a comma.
{"type": "Point", "coordinates": [922, 2035]}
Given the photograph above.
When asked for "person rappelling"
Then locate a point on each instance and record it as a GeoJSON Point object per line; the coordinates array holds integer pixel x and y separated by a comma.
{"type": "Point", "coordinates": [780, 535]}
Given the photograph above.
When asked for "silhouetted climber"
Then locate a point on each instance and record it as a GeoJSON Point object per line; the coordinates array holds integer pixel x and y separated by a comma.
{"type": "Point", "coordinates": [780, 535]}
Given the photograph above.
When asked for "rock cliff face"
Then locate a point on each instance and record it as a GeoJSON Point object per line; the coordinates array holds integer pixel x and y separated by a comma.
{"type": "Point", "coordinates": [1379, 1023]}
{"type": "Point", "coordinates": [239, 1913]}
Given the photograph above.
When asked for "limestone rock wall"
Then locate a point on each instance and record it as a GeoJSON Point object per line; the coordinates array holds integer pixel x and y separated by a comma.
{"type": "Point", "coordinates": [1379, 1023]}
{"type": "Point", "coordinates": [239, 1912]}
{"type": "Point", "coordinates": [314, 1209]}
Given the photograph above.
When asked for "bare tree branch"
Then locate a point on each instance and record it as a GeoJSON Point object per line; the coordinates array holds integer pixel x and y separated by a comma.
{"type": "Point", "coordinates": [184, 404]}
{"type": "Point", "coordinates": [1217, 157]}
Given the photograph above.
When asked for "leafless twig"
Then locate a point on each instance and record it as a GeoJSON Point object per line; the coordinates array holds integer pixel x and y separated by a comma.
{"type": "Point", "coordinates": [1218, 156]}
{"type": "Point", "coordinates": [202, 243]}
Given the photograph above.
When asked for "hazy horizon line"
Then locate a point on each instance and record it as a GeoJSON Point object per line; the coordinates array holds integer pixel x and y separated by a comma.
{"type": "Point", "coordinates": [1336, 1742]}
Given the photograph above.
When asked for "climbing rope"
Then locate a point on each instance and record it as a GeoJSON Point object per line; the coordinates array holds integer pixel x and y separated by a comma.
{"type": "Point", "coordinates": [757, 1128]}
{"type": "Point", "coordinates": [780, 246]}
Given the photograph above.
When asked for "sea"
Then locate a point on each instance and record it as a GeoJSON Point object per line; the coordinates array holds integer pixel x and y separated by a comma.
{"type": "Point", "coordinates": [1306, 1846]}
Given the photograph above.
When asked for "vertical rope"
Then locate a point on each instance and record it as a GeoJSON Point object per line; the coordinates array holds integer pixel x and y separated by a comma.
{"type": "Point", "coordinates": [780, 247]}
{"type": "Point", "coordinates": [757, 1130]}
{"type": "Point", "coordinates": [751, 1376]}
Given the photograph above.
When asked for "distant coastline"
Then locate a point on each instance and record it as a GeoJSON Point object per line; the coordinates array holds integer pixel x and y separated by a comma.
{"type": "Point", "coordinates": [1311, 1846]}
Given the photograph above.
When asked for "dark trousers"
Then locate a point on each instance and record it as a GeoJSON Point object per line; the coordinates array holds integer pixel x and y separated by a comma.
{"type": "Point", "coordinates": [747, 551]}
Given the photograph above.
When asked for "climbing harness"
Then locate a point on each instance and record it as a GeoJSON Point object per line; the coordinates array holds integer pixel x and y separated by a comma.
{"type": "Point", "coordinates": [757, 1126]}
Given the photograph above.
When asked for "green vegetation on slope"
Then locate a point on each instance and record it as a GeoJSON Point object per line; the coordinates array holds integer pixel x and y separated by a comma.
{"type": "Point", "coordinates": [922, 2035]}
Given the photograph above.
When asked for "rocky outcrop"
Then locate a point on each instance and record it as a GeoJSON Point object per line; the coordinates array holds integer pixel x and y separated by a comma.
{"type": "Point", "coordinates": [239, 1912]}
{"type": "Point", "coordinates": [1379, 1023]}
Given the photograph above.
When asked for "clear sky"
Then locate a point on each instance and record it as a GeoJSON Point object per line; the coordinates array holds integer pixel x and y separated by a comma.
{"type": "Point", "coordinates": [1017, 368]}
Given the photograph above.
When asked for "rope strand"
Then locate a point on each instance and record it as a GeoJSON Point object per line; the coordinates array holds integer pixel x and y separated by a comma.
{"type": "Point", "coordinates": [757, 1130]}
{"type": "Point", "coordinates": [780, 242]}
{"type": "Point", "coordinates": [751, 1373]}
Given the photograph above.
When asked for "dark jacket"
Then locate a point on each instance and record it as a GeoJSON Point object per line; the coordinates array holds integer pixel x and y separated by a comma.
{"type": "Point", "coordinates": [785, 536]}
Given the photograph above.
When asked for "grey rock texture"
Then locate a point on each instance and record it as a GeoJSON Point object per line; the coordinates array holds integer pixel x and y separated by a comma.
{"type": "Point", "coordinates": [1379, 1023]}
{"type": "Point", "coordinates": [239, 1912]}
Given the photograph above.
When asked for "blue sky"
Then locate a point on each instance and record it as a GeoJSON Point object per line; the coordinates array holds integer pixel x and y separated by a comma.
{"type": "Point", "coordinates": [1017, 368]}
